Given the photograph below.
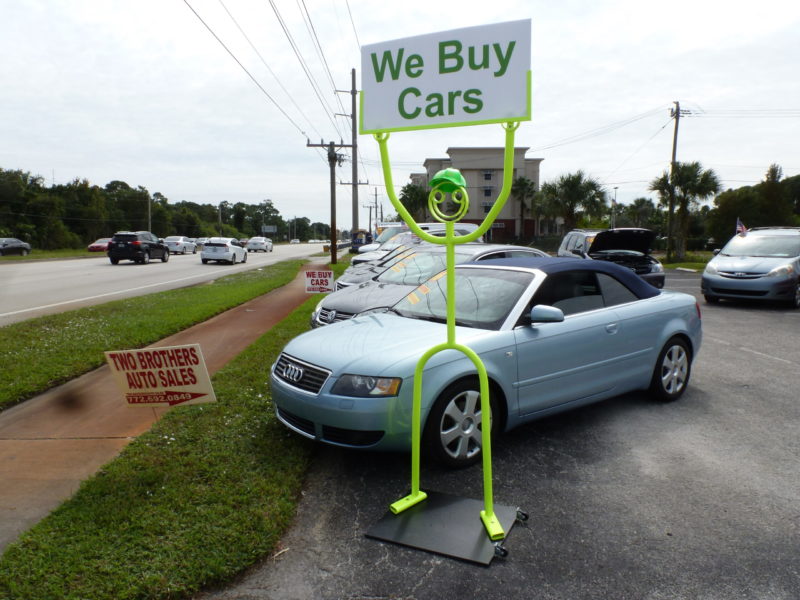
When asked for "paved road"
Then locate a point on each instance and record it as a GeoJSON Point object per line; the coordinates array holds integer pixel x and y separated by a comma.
{"type": "Point", "coordinates": [36, 288]}
{"type": "Point", "coordinates": [628, 499]}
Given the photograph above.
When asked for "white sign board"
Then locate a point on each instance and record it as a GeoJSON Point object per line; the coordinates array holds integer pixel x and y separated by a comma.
{"type": "Point", "coordinates": [459, 77]}
{"type": "Point", "coordinates": [319, 282]}
{"type": "Point", "coordinates": [162, 376]}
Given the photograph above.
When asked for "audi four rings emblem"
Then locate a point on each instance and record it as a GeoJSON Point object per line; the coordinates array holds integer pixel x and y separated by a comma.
{"type": "Point", "coordinates": [292, 372]}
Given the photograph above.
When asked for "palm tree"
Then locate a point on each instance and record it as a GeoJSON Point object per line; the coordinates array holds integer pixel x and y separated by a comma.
{"type": "Point", "coordinates": [690, 184]}
{"type": "Point", "coordinates": [640, 211]}
{"type": "Point", "coordinates": [573, 196]}
{"type": "Point", "coordinates": [523, 189]}
{"type": "Point", "coordinates": [415, 199]}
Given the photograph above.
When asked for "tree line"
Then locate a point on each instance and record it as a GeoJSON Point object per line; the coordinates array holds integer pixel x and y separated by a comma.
{"type": "Point", "coordinates": [680, 213]}
{"type": "Point", "coordinates": [75, 214]}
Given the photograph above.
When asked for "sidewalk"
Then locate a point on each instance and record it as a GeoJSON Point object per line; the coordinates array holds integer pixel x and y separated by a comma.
{"type": "Point", "coordinates": [51, 443]}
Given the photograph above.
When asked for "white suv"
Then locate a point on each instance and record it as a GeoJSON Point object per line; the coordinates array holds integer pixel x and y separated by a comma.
{"type": "Point", "coordinates": [223, 250]}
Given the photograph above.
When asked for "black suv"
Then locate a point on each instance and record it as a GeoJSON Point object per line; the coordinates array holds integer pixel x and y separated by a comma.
{"type": "Point", "coordinates": [138, 246]}
{"type": "Point", "coordinates": [626, 246]}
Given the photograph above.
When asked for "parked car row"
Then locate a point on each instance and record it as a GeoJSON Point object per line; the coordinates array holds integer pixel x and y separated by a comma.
{"type": "Point", "coordinates": [553, 333]}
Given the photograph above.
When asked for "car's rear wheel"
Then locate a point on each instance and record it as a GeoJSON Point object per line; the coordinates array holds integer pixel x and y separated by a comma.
{"type": "Point", "coordinates": [114, 261]}
{"type": "Point", "coordinates": [454, 427]}
{"type": "Point", "coordinates": [233, 258]}
{"type": "Point", "coordinates": [672, 372]}
{"type": "Point", "coordinates": [183, 251]}
{"type": "Point", "coordinates": [145, 258]}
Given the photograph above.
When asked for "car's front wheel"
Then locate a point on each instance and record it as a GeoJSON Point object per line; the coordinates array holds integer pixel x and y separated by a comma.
{"type": "Point", "coordinates": [795, 302]}
{"type": "Point", "coordinates": [165, 256]}
{"type": "Point", "coordinates": [204, 261]}
{"type": "Point", "coordinates": [672, 372]}
{"type": "Point", "coordinates": [454, 427]}
{"type": "Point", "coordinates": [711, 299]}
{"type": "Point", "coordinates": [244, 257]}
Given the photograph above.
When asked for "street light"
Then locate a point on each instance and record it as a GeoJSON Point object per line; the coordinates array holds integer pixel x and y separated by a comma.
{"type": "Point", "coordinates": [614, 209]}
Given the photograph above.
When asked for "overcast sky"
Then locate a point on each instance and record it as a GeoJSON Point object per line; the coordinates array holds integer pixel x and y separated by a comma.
{"type": "Point", "coordinates": [141, 91]}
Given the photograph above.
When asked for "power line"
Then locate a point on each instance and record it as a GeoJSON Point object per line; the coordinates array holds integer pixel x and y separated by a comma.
{"type": "Point", "coordinates": [250, 75]}
{"type": "Point", "coordinates": [598, 131]}
{"type": "Point", "coordinates": [314, 85]}
{"type": "Point", "coordinates": [264, 62]}
{"type": "Point", "coordinates": [312, 32]}
{"type": "Point", "coordinates": [659, 130]}
{"type": "Point", "coordinates": [355, 33]}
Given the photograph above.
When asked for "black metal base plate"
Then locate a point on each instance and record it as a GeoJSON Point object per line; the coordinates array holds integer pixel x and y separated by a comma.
{"type": "Point", "coordinates": [444, 524]}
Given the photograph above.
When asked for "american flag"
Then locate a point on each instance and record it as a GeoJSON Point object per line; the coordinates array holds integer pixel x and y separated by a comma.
{"type": "Point", "coordinates": [740, 228]}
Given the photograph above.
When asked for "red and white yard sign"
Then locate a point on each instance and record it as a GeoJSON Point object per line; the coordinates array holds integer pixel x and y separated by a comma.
{"type": "Point", "coordinates": [319, 282]}
{"type": "Point", "coordinates": [162, 376]}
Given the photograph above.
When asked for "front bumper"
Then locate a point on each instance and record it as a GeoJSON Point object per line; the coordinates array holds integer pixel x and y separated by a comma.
{"type": "Point", "coordinates": [365, 423]}
{"type": "Point", "coordinates": [750, 288]}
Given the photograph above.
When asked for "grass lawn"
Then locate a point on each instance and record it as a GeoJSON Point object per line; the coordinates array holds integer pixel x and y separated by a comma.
{"type": "Point", "coordinates": [205, 493]}
{"type": "Point", "coordinates": [38, 354]}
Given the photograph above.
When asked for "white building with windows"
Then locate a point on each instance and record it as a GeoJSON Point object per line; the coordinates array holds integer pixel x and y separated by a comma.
{"type": "Point", "coordinates": [483, 170]}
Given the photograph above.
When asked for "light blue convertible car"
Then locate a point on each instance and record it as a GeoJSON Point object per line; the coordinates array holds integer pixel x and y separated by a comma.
{"type": "Point", "coordinates": [553, 333]}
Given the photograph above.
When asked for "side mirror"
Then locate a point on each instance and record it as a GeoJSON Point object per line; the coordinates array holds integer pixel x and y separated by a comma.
{"type": "Point", "coordinates": [716, 251]}
{"type": "Point", "coordinates": [541, 313]}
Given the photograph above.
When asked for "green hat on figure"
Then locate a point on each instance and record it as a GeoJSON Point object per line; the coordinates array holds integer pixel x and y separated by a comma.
{"type": "Point", "coordinates": [448, 180]}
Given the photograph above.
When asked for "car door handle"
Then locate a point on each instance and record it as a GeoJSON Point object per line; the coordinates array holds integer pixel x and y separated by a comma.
{"type": "Point", "coordinates": [612, 328]}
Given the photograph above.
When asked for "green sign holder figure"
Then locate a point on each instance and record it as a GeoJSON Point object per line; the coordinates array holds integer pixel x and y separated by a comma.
{"type": "Point", "coordinates": [450, 182]}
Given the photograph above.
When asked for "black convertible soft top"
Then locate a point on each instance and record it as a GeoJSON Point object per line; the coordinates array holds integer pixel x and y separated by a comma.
{"type": "Point", "coordinates": [632, 281]}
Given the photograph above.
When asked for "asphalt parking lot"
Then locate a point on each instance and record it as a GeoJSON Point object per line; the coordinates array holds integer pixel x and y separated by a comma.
{"type": "Point", "coordinates": [698, 499]}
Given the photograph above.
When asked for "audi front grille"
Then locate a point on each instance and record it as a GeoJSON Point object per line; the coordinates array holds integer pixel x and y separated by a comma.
{"type": "Point", "coordinates": [300, 374]}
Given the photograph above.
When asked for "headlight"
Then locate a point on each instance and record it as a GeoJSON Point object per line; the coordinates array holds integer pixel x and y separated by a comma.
{"type": "Point", "coordinates": [364, 386]}
{"type": "Point", "coordinates": [317, 308]}
{"type": "Point", "coordinates": [711, 269]}
{"type": "Point", "coordinates": [657, 268]}
{"type": "Point", "coordinates": [782, 271]}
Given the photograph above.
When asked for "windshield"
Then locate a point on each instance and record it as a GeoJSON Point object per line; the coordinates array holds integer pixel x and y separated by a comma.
{"type": "Point", "coordinates": [388, 233]}
{"type": "Point", "coordinates": [484, 297]}
{"type": "Point", "coordinates": [772, 246]}
{"type": "Point", "coordinates": [173, 238]}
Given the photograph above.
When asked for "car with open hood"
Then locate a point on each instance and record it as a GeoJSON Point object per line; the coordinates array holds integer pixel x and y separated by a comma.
{"type": "Point", "coordinates": [630, 247]}
{"type": "Point", "coordinates": [553, 334]}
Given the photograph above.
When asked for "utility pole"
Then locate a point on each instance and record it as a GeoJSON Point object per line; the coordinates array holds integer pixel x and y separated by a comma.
{"type": "Point", "coordinates": [369, 219]}
{"type": "Point", "coordinates": [333, 159]}
{"type": "Point", "coordinates": [676, 112]}
{"type": "Point", "coordinates": [353, 144]}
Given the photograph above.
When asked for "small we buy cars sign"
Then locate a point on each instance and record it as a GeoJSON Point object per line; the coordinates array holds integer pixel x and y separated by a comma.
{"type": "Point", "coordinates": [319, 282]}
{"type": "Point", "coordinates": [466, 76]}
